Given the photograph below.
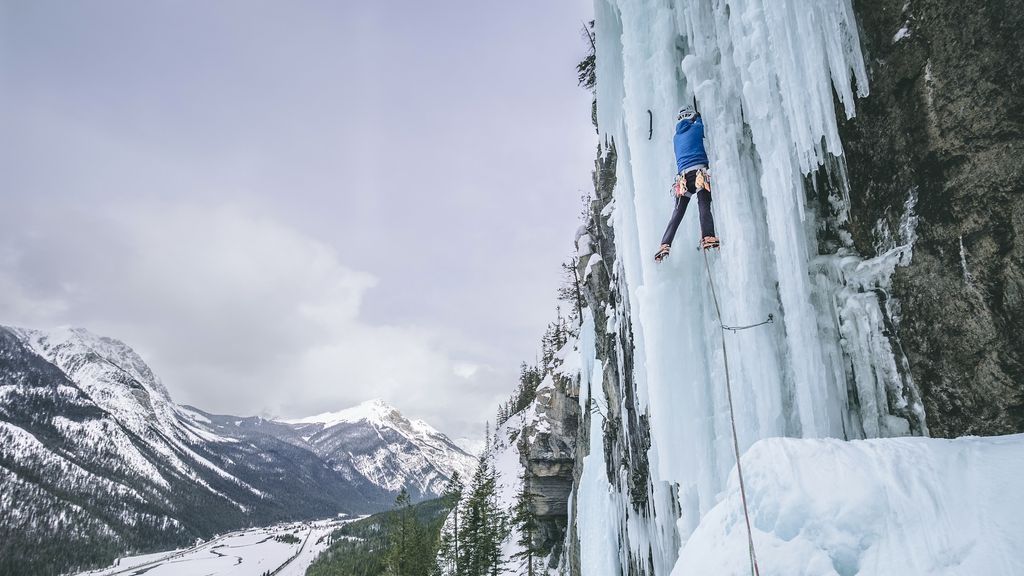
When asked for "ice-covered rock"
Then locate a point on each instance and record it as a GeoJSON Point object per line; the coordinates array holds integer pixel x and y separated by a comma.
{"type": "Point", "coordinates": [943, 124]}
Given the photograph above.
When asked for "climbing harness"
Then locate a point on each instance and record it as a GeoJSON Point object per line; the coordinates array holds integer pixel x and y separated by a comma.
{"type": "Point", "coordinates": [732, 415]}
{"type": "Point", "coordinates": [701, 181]}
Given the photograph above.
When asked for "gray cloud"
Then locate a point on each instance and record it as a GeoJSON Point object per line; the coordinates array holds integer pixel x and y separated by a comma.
{"type": "Point", "coordinates": [238, 312]}
{"type": "Point", "coordinates": [291, 207]}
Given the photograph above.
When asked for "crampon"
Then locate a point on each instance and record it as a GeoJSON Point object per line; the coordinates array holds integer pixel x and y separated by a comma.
{"type": "Point", "coordinates": [662, 253]}
{"type": "Point", "coordinates": [709, 242]}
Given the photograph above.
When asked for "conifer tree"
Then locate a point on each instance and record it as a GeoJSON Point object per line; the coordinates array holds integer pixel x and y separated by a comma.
{"type": "Point", "coordinates": [525, 521]}
{"type": "Point", "coordinates": [448, 548]}
{"type": "Point", "coordinates": [586, 70]}
{"type": "Point", "coordinates": [569, 291]}
{"type": "Point", "coordinates": [405, 541]}
{"type": "Point", "coordinates": [397, 534]}
{"type": "Point", "coordinates": [484, 526]}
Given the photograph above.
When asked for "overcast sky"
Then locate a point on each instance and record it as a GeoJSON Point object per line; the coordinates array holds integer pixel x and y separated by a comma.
{"type": "Point", "coordinates": [291, 207]}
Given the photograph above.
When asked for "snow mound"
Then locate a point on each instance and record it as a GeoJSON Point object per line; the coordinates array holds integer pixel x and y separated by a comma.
{"type": "Point", "coordinates": [890, 507]}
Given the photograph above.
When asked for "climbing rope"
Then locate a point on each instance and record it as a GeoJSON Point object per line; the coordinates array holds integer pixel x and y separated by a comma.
{"type": "Point", "coordinates": [732, 415]}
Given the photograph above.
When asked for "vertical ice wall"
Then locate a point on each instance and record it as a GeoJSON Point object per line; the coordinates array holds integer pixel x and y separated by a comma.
{"type": "Point", "coordinates": [598, 521]}
{"type": "Point", "coordinates": [764, 74]}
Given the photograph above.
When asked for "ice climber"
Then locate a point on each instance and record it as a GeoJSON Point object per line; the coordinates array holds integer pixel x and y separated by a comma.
{"type": "Point", "coordinates": [692, 178]}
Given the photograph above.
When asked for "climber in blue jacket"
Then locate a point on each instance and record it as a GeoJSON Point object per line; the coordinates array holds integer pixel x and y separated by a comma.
{"type": "Point", "coordinates": [692, 178]}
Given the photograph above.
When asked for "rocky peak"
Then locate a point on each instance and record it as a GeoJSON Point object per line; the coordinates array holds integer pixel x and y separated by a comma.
{"type": "Point", "coordinates": [386, 447]}
{"type": "Point", "coordinates": [111, 373]}
{"type": "Point", "coordinates": [374, 411]}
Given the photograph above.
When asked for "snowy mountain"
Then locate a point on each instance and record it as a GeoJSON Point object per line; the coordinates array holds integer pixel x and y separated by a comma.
{"type": "Point", "coordinates": [95, 458]}
{"type": "Point", "coordinates": [371, 443]}
{"type": "Point", "coordinates": [386, 448]}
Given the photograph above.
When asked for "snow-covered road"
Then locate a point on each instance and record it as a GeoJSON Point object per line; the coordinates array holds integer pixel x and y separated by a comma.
{"type": "Point", "coordinates": [245, 553]}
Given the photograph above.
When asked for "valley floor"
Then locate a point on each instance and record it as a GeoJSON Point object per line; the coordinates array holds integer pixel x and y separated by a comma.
{"type": "Point", "coordinates": [251, 552]}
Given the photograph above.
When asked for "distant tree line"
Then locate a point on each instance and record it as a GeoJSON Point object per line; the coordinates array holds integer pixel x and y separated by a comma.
{"type": "Point", "coordinates": [459, 534]}
{"type": "Point", "coordinates": [556, 335]}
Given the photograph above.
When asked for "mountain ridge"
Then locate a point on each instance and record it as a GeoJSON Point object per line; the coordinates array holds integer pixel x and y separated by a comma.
{"type": "Point", "coordinates": [97, 459]}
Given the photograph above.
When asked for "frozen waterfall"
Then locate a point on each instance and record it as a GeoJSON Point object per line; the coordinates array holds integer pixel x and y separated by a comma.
{"type": "Point", "coordinates": [765, 75]}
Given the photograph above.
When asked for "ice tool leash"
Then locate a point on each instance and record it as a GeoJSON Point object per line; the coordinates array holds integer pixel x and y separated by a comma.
{"type": "Point", "coordinates": [732, 414]}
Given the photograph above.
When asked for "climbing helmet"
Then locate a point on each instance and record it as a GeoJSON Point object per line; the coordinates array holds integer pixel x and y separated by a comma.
{"type": "Point", "coordinates": [686, 113]}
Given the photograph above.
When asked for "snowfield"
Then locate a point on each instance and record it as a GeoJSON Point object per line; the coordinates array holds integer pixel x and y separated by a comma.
{"type": "Point", "coordinates": [892, 507]}
{"type": "Point", "coordinates": [246, 553]}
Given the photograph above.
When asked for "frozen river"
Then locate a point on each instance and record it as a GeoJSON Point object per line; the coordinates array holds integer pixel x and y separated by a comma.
{"type": "Point", "coordinates": [251, 552]}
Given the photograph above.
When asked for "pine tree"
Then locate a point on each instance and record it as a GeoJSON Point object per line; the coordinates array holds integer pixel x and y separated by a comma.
{"type": "Point", "coordinates": [525, 521]}
{"type": "Point", "coordinates": [569, 291]}
{"type": "Point", "coordinates": [447, 563]}
{"type": "Point", "coordinates": [496, 529]}
{"type": "Point", "coordinates": [448, 549]}
{"type": "Point", "coordinates": [421, 549]}
{"type": "Point", "coordinates": [555, 337]}
{"type": "Point", "coordinates": [586, 70]}
{"type": "Point", "coordinates": [484, 526]}
{"type": "Point", "coordinates": [504, 412]}
{"type": "Point", "coordinates": [402, 537]}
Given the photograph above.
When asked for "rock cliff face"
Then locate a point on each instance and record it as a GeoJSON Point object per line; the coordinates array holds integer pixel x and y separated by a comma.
{"type": "Point", "coordinates": [547, 450]}
{"type": "Point", "coordinates": [945, 122]}
{"type": "Point", "coordinates": [626, 432]}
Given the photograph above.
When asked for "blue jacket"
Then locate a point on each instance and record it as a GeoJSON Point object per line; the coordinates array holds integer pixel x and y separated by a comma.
{"type": "Point", "coordinates": [689, 143]}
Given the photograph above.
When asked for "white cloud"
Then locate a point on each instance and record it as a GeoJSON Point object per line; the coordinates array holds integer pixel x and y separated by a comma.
{"type": "Point", "coordinates": [465, 369]}
{"type": "Point", "coordinates": [238, 313]}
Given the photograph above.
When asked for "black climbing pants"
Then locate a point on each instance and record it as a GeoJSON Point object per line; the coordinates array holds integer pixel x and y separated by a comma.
{"type": "Point", "coordinates": [707, 221]}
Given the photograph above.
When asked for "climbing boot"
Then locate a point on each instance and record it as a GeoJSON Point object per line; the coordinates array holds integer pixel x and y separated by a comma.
{"type": "Point", "coordinates": [662, 253]}
{"type": "Point", "coordinates": [710, 242]}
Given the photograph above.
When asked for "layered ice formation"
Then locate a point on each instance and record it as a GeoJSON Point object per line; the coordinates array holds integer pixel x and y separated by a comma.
{"type": "Point", "coordinates": [769, 78]}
